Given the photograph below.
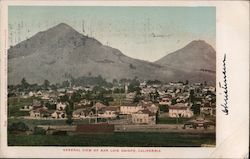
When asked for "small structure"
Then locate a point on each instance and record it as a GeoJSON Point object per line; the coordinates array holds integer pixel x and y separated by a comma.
{"type": "Point", "coordinates": [144, 117]}
{"type": "Point", "coordinates": [83, 113]}
{"type": "Point", "coordinates": [61, 106]}
{"type": "Point", "coordinates": [199, 122]}
{"type": "Point", "coordinates": [109, 112]}
{"type": "Point", "coordinates": [180, 110]}
{"type": "Point", "coordinates": [39, 112]}
{"type": "Point", "coordinates": [98, 106]}
{"type": "Point", "coordinates": [58, 114]}
{"type": "Point", "coordinates": [26, 108]}
{"type": "Point", "coordinates": [130, 109]}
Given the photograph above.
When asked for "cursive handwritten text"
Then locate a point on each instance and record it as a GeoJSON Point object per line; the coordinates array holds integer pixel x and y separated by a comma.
{"type": "Point", "coordinates": [224, 87]}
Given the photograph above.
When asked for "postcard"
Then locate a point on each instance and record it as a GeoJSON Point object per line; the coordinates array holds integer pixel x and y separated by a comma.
{"type": "Point", "coordinates": [125, 79]}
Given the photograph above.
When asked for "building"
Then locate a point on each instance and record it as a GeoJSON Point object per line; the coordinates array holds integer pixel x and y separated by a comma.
{"type": "Point", "coordinates": [39, 112]}
{"type": "Point", "coordinates": [83, 113]}
{"type": "Point", "coordinates": [144, 117]}
{"type": "Point", "coordinates": [61, 106]}
{"type": "Point", "coordinates": [58, 114]}
{"type": "Point", "coordinates": [26, 108]}
{"type": "Point", "coordinates": [180, 110]}
{"type": "Point", "coordinates": [129, 109]}
{"type": "Point", "coordinates": [109, 112]}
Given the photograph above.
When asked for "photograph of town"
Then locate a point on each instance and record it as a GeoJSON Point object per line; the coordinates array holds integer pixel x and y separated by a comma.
{"type": "Point", "coordinates": [121, 76]}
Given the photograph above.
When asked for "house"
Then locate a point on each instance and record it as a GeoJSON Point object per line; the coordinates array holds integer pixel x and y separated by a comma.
{"type": "Point", "coordinates": [83, 103]}
{"type": "Point", "coordinates": [57, 114]}
{"type": "Point", "coordinates": [98, 106]}
{"type": "Point", "coordinates": [152, 108]}
{"type": "Point", "coordinates": [130, 109]}
{"type": "Point", "coordinates": [109, 112]}
{"type": "Point", "coordinates": [144, 117]}
{"type": "Point", "coordinates": [26, 108]}
{"type": "Point", "coordinates": [83, 113]}
{"type": "Point", "coordinates": [61, 106]}
{"type": "Point", "coordinates": [31, 94]}
{"type": "Point", "coordinates": [180, 110]}
{"type": "Point", "coordinates": [39, 112]}
{"type": "Point", "coordinates": [207, 109]}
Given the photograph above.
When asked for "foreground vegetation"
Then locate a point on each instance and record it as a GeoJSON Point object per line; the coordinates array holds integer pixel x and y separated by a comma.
{"type": "Point", "coordinates": [116, 139]}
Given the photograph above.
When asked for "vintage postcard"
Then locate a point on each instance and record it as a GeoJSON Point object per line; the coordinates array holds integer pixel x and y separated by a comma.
{"type": "Point", "coordinates": [127, 79]}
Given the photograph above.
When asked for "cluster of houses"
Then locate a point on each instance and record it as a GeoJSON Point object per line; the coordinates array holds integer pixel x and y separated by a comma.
{"type": "Point", "coordinates": [174, 96]}
{"type": "Point", "coordinates": [137, 113]}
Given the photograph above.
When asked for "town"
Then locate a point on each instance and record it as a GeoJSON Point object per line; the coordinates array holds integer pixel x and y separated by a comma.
{"type": "Point", "coordinates": [90, 105]}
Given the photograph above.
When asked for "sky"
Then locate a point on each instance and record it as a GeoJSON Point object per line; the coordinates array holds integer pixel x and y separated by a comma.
{"type": "Point", "coordinates": [146, 33]}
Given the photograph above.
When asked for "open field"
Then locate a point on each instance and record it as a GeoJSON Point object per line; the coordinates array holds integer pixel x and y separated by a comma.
{"type": "Point", "coordinates": [34, 122]}
{"type": "Point", "coordinates": [116, 139]}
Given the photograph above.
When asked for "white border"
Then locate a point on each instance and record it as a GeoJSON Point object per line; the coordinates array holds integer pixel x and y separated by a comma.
{"type": "Point", "coordinates": [232, 38]}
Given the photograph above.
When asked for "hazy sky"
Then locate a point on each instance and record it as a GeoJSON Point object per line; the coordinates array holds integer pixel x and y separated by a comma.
{"type": "Point", "coordinates": [147, 33]}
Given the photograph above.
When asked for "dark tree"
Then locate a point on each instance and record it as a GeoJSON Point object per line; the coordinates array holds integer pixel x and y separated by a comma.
{"type": "Point", "coordinates": [24, 84]}
{"type": "Point", "coordinates": [46, 84]}
{"type": "Point", "coordinates": [69, 111]}
{"type": "Point", "coordinates": [19, 126]}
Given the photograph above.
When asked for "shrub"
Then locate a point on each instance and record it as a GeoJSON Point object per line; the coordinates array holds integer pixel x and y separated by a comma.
{"type": "Point", "coordinates": [39, 131]}
{"type": "Point", "coordinates": [18, 126]}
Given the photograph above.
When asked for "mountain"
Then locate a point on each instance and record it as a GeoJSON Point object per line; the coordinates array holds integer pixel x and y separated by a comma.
{"type": "Point", "coordinates": [60, 52]}
{"type": "Point", "coordinates": [197, 59]}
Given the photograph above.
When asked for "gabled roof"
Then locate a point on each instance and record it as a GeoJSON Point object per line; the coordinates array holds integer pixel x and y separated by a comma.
{"type": "Point", "coordinates": [99, 105]}
{"type": "Point", "coordinates": [146, 111]}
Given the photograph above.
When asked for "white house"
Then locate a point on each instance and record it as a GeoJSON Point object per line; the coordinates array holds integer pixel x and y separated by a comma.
{"type": "Point", "coordinates": [58, 114]}
{"type": "Point", "coordinates": [144, 117]}
{"type": "Point", "coordinates": [129, 109]}
{"type": "Point", "coordinates": [180, 110]}
{"type": "Point", "coordinates": [61, 106]}
{"type": "Point", "coordinates": [31, 94]}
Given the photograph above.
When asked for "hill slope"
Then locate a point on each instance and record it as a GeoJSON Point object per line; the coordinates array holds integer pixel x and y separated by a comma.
{"type": "Point", "coordinates": [61, 51]}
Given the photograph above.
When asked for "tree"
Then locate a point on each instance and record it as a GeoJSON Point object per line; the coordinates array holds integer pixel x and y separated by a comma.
{"type": "Point", "coordinates": [69, 111]}
{"type": "Point", "coordinates": [134, 86]}
{"type": "Point", "coordinates": [115, 82]}
{"type": "Point", "coordinates": [65, 84]}
{"type": "Point", "coordinates": [192, 97]}
{"type": "Point", "coordinates": [173, 102]}
{"type": "Point", "coordinates": [19, 126]}
{"type": "Point", "coordinates": [50, 106]}
{"type": "Point", "coordinates": [163, 108]}
{"type": "Point", "coordinates": [157, 117]}
{"type": "Point", "coordinates": [196, 108]}
{"type": "Point", "coordinates": [46, 84]}
{"type": "Point", "coordinates": [24, 84]}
